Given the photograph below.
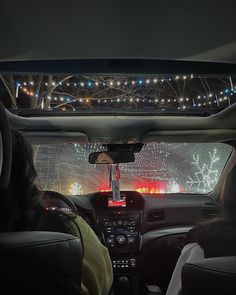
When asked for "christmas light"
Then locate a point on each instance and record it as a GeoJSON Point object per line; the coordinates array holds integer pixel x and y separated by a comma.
{"type": "Point", "coordinates": [150, 92]}
{"type": "Point", "coordinates": [206, 175]}
{"type": "Point", "coordinates": [76, 189]}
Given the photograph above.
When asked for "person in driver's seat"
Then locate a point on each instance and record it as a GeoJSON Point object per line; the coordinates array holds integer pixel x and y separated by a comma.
{"type": "Point", "coordinates": [213, 239]}
{"type": "Point", "coordinates": [22, 209]}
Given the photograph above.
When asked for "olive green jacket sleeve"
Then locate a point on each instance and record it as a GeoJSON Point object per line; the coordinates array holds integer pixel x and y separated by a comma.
{"type": "Point", "coordinates": [97, 275]}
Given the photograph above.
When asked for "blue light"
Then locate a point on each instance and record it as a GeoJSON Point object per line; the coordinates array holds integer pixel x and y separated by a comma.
{"type": "Point", "coordinates": [89, 83]}
{"type": "Point", "coordinates": [18, 85]}
{"type": "Point", "coordinates": [226, 90]}
{"type": "Point", "coordinates": [140, 82]}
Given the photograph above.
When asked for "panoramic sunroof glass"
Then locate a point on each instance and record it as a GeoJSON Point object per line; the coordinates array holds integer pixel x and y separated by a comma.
{"type": "Point", "coordinates": [162, 94]}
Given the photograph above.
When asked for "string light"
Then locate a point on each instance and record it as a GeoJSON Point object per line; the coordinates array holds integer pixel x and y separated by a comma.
{"type": "Point", "coordinates": [218, 100]}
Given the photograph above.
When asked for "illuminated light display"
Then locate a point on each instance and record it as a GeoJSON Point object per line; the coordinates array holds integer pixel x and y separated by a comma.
{"type": "Point", "coordinates": [161, 93]}
{"type": "Point", "coordinates": [158, 168]}
{"type": "Point", "coordinates": [76, 189]}
{"type": "Point", "coordinates": [103, 188]}
{"type": "Point", "coordinates": [206, 175]}
{"type": "Point", "coordinates": [174, 187]}
{"type": "Point", "coordinates": [151, 187]}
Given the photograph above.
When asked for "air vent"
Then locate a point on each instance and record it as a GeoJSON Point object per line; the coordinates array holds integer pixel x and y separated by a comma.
{"type": "Point", "coordinates": [211, 213]}
{"type": "Point", "coordinates": [156, 215]}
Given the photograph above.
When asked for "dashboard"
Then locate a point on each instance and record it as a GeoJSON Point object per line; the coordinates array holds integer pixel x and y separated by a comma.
{"type": "Point", "coordinates": [128, 228]}
{"type": "Point", "coordinates": [120, 227]}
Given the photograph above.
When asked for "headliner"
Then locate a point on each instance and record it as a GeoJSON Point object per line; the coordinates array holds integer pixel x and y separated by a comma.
{"type": "Point", "coordinates": [158, 29]}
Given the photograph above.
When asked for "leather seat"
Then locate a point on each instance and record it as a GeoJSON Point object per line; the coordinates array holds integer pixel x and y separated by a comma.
{"type": "Point", "coordinates": [216, 274]}
{"type": "Point", "coordinates": [5, 149]}
{"type": "Point", "coordinates": [210, 276]}
{"type": "Point", "coordinates": [35, 262]}
{"type": "Point", "coordinates": [40, 262]}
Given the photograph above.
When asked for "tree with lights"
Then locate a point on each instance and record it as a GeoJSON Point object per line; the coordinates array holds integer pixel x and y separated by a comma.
{"type": "Point", "coordinates": [206, 175]}
{"type": "Point", "coordinates": [76, 189]}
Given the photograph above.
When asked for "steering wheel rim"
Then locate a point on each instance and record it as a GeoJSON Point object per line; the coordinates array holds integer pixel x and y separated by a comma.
{"type": "Point", "coordinates": [55, 195]}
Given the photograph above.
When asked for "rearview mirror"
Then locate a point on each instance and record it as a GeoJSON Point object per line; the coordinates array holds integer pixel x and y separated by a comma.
{"type": "Point", "coordinates": [111, 157]}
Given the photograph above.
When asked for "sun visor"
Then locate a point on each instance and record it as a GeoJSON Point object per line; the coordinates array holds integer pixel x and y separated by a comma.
{"type": "Point", "coordinates": [185, 136]}
{"type": "Point", "coordinates": [54, 137]}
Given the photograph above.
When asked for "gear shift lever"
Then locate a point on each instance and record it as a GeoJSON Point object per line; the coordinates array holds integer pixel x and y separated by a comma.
{"type": "Point", "coordinates": [123, 285]}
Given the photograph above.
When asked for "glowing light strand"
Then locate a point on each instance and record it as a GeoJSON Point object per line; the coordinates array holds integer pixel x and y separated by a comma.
{"type": "Point", "coordinates": [206, 176]}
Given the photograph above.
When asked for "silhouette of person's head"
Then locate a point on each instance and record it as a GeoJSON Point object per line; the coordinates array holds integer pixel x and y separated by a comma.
{"type": "Point", "coordinates": [104, 158]}
{"type": "Point", "coordinates": [22, 198]}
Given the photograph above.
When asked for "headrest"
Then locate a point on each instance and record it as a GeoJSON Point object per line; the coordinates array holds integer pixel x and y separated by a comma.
{"type": "Point", "coordinates": [5, 149]}
{"type": "Point", "coordinates": [40, 262]}
{"type": "Point", "coordinates": [210, 276]}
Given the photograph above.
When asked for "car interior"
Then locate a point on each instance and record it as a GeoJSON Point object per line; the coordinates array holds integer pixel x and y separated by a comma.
{"type": "Point", "coordinates": [137, 143]}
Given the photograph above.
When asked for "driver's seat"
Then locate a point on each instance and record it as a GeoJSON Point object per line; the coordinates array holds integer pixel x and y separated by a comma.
{"type": "Point", "coordinates": [35, 262]}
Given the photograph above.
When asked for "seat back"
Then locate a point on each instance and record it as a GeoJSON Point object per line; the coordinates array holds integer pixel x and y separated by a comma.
{"type": "Point", "coordinates": [5, 149]}
{"type": "Point", "coordinates": [210, 276]}
{"type": "Point", "coordinates": [40, 262]}
{"type": "Point", "coordinates": [216, 274]}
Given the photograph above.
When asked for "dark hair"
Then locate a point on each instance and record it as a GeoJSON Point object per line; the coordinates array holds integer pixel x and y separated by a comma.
{"type": "Point", "coordinates": [21, 202]}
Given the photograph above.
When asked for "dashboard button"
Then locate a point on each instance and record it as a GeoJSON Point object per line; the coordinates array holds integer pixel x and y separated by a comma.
{"type": "Point", "coordinates": [120, 239]}
{"type": "Point", "coordinates": [131, 240]}
{"type": "Point", "coordinates": [110, 241]}
{"type": "Point", "coordinates": [132, 262]}
{"type": "Point", "coordinates": [108, 229]}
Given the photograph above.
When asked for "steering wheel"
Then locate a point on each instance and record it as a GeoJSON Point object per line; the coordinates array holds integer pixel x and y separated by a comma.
{"type": "Point", "coordinates": [59, 201]}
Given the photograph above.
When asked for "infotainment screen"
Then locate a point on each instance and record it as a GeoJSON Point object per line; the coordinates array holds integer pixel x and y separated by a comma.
{"type": "Point", "coordinates": [112, 204]}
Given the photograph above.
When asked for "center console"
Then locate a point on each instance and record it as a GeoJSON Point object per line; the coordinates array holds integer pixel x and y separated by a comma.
{"type": "Point", "coordinates": [120, 225]}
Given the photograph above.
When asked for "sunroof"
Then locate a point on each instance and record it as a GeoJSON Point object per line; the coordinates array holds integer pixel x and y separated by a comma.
{"type": "Point", "coordinates": [154, 94]}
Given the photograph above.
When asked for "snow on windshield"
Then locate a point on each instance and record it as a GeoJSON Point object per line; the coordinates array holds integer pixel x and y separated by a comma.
{"type": "Point", "coordinates": [158, 168]}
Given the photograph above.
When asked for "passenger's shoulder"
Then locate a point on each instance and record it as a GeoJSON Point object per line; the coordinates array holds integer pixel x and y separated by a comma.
{"type": "Point", "coordinates": [189, 248]}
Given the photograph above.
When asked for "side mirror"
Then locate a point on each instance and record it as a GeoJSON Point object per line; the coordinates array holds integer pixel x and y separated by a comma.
{"type": "Point", "coordinates": [111, 157]}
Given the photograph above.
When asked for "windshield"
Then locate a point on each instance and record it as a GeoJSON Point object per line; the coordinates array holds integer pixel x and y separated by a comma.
{"type": "Point", "coordinates": [158, 94]}
{"type": "Point", "coordinates": [158, 168]}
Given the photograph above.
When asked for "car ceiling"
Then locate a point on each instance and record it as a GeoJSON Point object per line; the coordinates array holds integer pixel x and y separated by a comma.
{"type": "Point", "coordinates": [196, 30]}
{"type": "Point", "coordinates": [157, 29]}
